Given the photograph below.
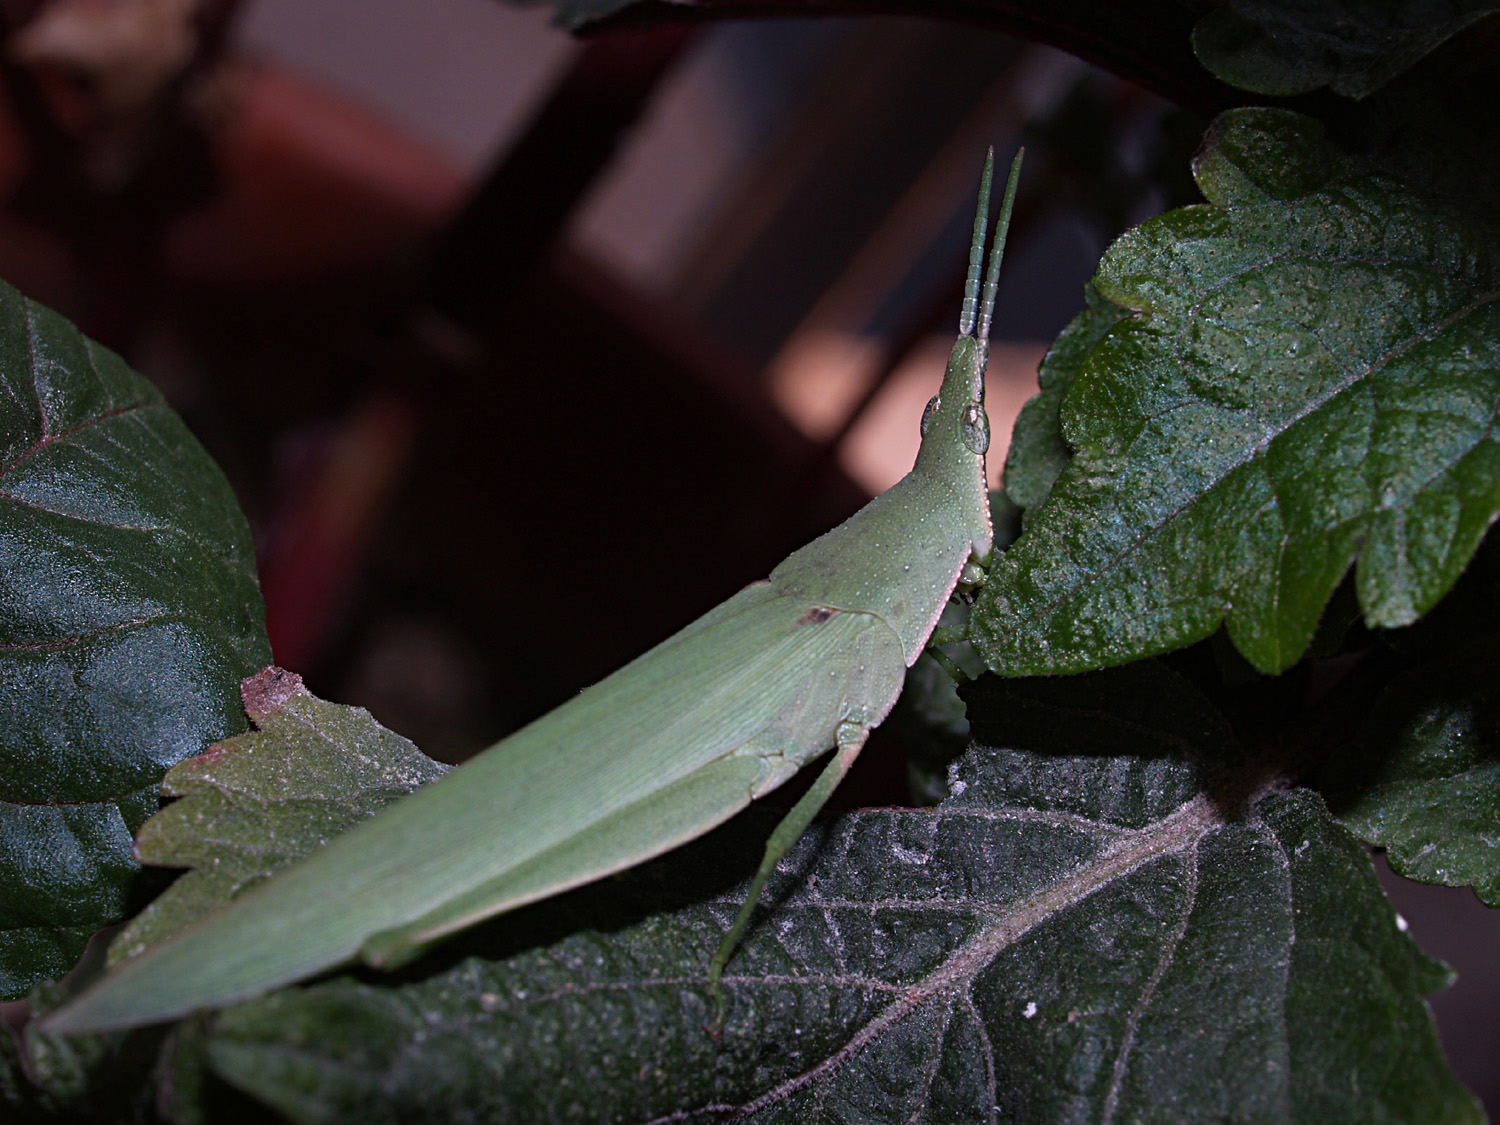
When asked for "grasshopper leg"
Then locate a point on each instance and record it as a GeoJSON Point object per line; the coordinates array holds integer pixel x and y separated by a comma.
{"type": "Point", "coordinates": [851, 739]}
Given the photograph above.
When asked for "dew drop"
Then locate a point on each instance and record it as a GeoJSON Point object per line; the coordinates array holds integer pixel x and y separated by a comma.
{"type": "Point", "coordinates": [974, 427]}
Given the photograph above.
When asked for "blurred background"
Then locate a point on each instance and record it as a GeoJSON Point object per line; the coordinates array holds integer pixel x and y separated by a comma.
{"type": "Point", "coordinates": [522, 351]}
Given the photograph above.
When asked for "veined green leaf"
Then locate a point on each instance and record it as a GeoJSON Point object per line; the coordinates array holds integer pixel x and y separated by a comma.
{"type": "Point", "coordinates": [1037, 452]}
{"type": "Point", "coordinates": [1095, 930]}
{"type": "Point", "coordinates": [1423, 778]}
{"type": "Point", "coordinates": [1309, 378]}
{"type": "Point", "coordinates": [246, 807]}
{"type": "Point", "coordinates": [254, 803]}
{"type": "Point", "coordinates": [1420, 776]}
{"type": "Point", "coordinates": [129, 611]}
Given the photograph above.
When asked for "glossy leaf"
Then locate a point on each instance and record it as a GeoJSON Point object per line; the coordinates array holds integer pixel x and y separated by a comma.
{"type": "Point", "coordinates": [129, 611]}
{"type": "Point", "coordinates": [1079, 934]}
{"type": "Point", "coordinates": [1354, 47]}
{"type": "Point", "coordinates": [245, 808]}
{"type": "Point", "coordinates": [254, 803]}
{"type": "Point", "coordinates": [1421, 775]}
{"type": "Point", "coordinates": [1038, 452]}
{"type": "Point", "coordinates": [1309, 379]}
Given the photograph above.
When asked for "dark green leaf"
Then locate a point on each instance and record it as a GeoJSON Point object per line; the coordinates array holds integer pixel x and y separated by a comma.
{"type": "Point", "coordinates": [129, 612]}
{"type": "Point", "coordinates": [18, 1097]}
{"type": "Point", "coordinates": [1038, 451]}
{"type": "Point", "coordinates": [1074, 935]}
{"type": "Point", "coordinates": [92, 1080]}
{"type": "Point", "coordinates": [930, 717]}
{"type": "Point", "coordinates": [1422, 779]}
{"type": "Point", "coordinates": [247, 807]}
{"type": "Point", "coordinates": [142, 1077]}
{"type": "Point", "coordinates": [1309, 379]}
{"type": "Point", "coordinates": [1295, 46]}
{"type": "Point", "coordinates": [1434, 128]}
{"type": "Point", "coordinates": [253, 803]}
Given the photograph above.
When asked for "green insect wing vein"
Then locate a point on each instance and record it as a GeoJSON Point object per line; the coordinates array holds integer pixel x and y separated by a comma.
{"type": "Point", "coordinates": [712, 717]}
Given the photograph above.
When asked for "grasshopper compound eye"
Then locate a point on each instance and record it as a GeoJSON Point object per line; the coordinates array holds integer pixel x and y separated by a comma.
{"type": "Point", "coordinates": [932, 405]}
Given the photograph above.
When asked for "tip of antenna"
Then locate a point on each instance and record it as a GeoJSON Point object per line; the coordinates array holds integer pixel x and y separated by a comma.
{"type": "Point", "coordinates": [970, 312]}
{"type": "Point", "coordinates": [997, 252]}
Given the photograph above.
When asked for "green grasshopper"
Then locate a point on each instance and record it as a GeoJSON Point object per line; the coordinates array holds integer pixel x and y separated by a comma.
{"type": "Point", "coordinates": [674, 743]}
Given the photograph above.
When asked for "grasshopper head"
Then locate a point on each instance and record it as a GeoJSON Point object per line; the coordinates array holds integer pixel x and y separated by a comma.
{"type": "Point", "coordinates": [955, 428]}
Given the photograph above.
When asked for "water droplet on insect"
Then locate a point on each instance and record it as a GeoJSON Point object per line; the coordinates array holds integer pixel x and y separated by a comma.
{"type": "Point", "coordinates": [974, 427]}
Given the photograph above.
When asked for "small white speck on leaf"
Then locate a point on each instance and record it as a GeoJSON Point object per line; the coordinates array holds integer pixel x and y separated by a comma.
{"type": "Point", "coordinates": [910, 855]}
{"type": "Point", "coordinates": [956, 787]}
{"type": "Point", "coordinates": [1028, 1011]}
{"type": "Point", "coordinates": [1402, 924]}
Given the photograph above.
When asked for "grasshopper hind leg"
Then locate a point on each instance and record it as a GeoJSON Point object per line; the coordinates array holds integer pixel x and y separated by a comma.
{"type": "Point", "coordinates": [850, 740]}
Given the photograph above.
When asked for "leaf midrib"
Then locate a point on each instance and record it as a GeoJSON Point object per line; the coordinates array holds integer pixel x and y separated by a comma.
{"type": "Point", "coordinates": [1177, 832]}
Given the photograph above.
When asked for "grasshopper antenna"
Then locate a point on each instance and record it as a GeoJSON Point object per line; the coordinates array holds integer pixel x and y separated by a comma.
{"type": "Point", "coordinates": [970, 308]}
{"type": "Point", "coordinates": [997, 252]}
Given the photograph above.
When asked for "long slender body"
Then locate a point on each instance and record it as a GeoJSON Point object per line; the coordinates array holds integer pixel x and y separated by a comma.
{"type": "Point", "coordinates": [658, 753]}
